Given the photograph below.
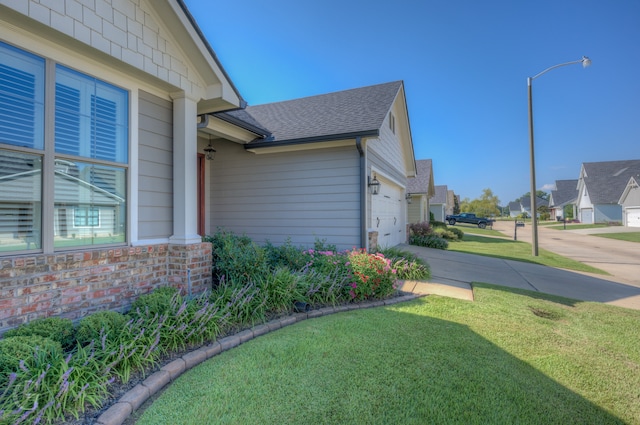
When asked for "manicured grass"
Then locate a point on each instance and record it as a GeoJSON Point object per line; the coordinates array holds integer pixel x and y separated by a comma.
{"type": "Point", "coordinates": [468, 228]}
{"type": "Point", "coordinates": [629, 236]}
{"type": "Point", "coordinates": [517, 250]}
{"type": "Point", "coordinates": [509, 357]}
{"type": "Point", "coordinates": [578, 226]}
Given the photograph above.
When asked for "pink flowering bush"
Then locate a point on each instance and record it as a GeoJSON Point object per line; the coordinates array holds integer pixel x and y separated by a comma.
{"type": "Point", "coordinates": [373, 276]}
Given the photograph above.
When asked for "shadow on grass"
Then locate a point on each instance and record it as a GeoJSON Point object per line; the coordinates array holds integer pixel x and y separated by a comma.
{"type": "Point", "coordinates": [373, 366]}
{"type": "Point", "coordinates": [569, 302]}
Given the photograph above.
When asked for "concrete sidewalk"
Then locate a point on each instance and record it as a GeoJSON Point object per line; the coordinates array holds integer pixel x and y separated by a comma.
{"type": "Point", "coordinates": [458, 270]}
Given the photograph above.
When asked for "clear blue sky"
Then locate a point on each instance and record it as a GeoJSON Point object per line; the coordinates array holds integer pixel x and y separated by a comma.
{"type": "Point", "coordinates": [464, 65]}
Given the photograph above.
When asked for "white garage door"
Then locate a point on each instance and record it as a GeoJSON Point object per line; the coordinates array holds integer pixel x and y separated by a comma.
{"type": "Point", "coordinates": [586, 215]}
{"type": "Point", "coordinates": [387, 215]}
{"type": "Point", "coordinates": [633, 217]}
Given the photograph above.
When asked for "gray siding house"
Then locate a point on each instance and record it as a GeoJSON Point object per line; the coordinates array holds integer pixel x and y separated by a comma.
{"type": "Point", "coordinates": [99, 153]}
{"type": "Point", "coordinates": [110, 116]}
{"type": "Point", "coordinates": [420, 190]}
{"type": "Point", "coordinates": [305, 173]}
{"type": "Point", "coordinates": [565, 193]}
{"type": "Point", "coordinates": [600, 187]}
{"type": "Point", "coordinates": [630, 202]}
{"type": "Point", "coordinates": [439, 203]}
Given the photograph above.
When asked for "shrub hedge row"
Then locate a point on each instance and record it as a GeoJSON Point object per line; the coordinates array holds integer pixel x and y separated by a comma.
{"type": "Point", "coordinates": [51, 369]}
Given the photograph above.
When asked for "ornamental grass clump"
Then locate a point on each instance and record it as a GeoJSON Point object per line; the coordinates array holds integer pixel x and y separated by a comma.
{"type": "Point", "coordinates": [373, 276]}
{"type": "Point", "coordinates": [47, 386]}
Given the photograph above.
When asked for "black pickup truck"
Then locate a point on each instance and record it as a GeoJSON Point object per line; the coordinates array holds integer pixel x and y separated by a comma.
{"type": "Point", "coordinates": [468, 218]}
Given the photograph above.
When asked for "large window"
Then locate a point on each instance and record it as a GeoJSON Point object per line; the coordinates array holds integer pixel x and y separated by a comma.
{"type": "Point", "coordinates": [90, 138]}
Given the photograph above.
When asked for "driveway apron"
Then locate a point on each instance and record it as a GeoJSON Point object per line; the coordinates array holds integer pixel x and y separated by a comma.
{"type": "Point", "coordinates": [455, 268]}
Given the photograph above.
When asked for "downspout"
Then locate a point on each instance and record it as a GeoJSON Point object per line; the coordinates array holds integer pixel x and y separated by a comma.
{"type": "Point", "coordinates": [363, 194]}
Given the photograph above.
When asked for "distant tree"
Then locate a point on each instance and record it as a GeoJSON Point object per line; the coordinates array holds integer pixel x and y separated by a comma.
{"type": "Point", "coordinates": [543, 212]}
{"type": "Point", "coordinates": [486, 205]}
{"type": "Point", "coordinates": [465, 205]}
{"type": "Point", "coordinates": [568, 212]}
{"type": "Point", "coordinates": [456, 205]}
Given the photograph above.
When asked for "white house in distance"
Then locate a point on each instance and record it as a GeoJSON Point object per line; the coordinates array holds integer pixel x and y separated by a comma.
{"type": "Point", "coordinates": [420, 190]}
{"type": "Point", "coordinates": [600, 189]}
{"type": "Point", "coordinates": [630, 202]}
{"type": "Point", "coordinates": [442, 202]}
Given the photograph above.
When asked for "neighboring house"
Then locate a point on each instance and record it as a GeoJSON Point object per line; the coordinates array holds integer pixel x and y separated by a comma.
{"type": "Point", "coordinates": [420, 190]}
{"type": "Point", "coordinates": [565, 193]}
{"type": "Point", "coordinates": [600, 187]}
{"type": "Point", "coordinates": [630, 202]}
{"type": "Point", "coordinates": [98, 138]}
{"type": "Point", "coordinates": [515, 209]}
{"type": "Point", "coordinates": [525, 205]}
{"type": "Point", "coordinates": [307, 177]}
{"type": "Point", "coordinates": [439, 202]}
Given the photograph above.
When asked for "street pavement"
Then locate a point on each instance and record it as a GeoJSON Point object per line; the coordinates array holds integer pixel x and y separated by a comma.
{"type": "Point", "coordinates": [619, 258]}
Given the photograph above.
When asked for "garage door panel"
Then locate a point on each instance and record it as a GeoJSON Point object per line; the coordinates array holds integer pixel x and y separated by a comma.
{"type": "Point", "coordinates": [633, 217]}
{"type": "Point", "coordinates": [387, 216]}
{"type": "Point", "coordinates": [586, 215]}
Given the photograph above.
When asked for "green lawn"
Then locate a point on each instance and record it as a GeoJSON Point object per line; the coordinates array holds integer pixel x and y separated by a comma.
{"type": "Point", "coordinates": [509, 357]}
{"type": "Point", "coordinates": [468, 228]}
{"type": "Point", "coordinates": [517, 250]}
{"type": "Point", "coordinates": [630, 236]}
{"type": "Point", "coordinates": [578, 226]}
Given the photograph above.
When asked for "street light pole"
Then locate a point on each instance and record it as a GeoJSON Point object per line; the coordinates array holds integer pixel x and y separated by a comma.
{"type": "Point", "coordinates": [585, 61]}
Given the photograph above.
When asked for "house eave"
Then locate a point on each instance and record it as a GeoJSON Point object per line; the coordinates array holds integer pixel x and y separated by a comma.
{"type": "Point", "coordinates": [270, 146]}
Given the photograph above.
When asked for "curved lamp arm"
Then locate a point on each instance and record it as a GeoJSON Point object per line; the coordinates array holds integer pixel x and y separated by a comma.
{"type": "Point", "coordinates": [585, 63]}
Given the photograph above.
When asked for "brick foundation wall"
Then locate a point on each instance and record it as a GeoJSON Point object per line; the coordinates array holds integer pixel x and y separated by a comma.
{"type": "Point", "coordinates": [75, 284]}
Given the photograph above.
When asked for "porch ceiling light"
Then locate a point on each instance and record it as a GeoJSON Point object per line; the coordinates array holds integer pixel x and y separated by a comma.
{"type": "Point", "coordinates": [209, 151]}
{"type": "Point", "coordinates": [374, 185]}
{"type": "Point", "coordinates": [408, 197]}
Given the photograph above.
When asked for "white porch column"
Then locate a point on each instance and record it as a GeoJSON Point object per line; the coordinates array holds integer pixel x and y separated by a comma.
{"type": "Point", "coordinates": [185, 204]}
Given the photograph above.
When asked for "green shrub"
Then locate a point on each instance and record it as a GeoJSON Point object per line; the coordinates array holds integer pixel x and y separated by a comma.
{"type": "Point", "coordinates": [373, 277]}
{"type": "Point", "coordinates": [136, 347]}
{"type": "Point", "coordinates": [96, 325]}
{"type": "Point", "coordinates": [158, 301]}
{"type": "Point", "coordinates": [236, 258]}
{"type": "Point", "coordinates": [285, 255]}
{"type": "Point", "coordinates": [280, 289]}
{"type": "Point", "coordinates": [436, 224]}
{"type": "Point", "coordinates": [54, 328]}
{"type": "Point", "coordinates": [420, 229]}
{"type": "Point", "coordinates": [241, 303]}
{"type": "Point", "coordinates": [429, 241]}
{"type": "Point", "coordinates": [445, 234]}
{"type": "Point", "coordinates": [328, 287]}
{"type": "Point", "coordinates": [459, 233]}
{"type": "Point", "coordinates": [15, 349]}
{"type": "Point", "coordinates": [48, 387]}
{"type": "Point", "coordinates": [408, 266]}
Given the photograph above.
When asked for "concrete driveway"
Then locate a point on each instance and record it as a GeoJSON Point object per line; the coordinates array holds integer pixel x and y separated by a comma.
{"type": "Point", "coordinates": [620, 258]}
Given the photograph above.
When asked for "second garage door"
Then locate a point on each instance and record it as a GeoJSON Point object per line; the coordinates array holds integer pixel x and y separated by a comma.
{"type": "Point", "coordinates": [633, 217]}
{"type": "Point", "coordinates": [387, 215]}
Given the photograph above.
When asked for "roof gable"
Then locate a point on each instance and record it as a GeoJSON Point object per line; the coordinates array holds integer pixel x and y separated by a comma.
{"type": "Point", "coordinates": [423, 181]}
{"type": "Point", "coordinates": [326, 116]}
{"type": "Point", "coordinates": [605, 181]}
{"type": "Point", "coordinates": [440, 195]}
{"type": "Point", "coordinates": [566, 192]}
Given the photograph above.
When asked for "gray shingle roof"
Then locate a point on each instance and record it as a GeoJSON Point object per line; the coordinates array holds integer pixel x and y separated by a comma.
{"type": "Point", "coordinates": [605, 181]}
{"type": "Point", "coordinates": [420, 183]}
{"type": "Point", "coordinates": [515, 206]}
{"type": "Point", "coordinates": [346, 112]}
{"type": "Point", "coordinates": [526, 202]}
{"type": "Point", "coordinates": [566, 192]}
{"type": "Point", "coordinates": [440, 197]}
